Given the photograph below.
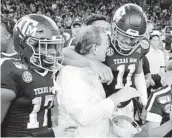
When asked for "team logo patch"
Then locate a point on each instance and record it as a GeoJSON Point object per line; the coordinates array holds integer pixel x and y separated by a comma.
{"type": "Point", "coordinates": [168, 108]}
{"type": "Point", "coordinates": [20, 65]}
{"type": "Point", "coordinates": [110, 52]}
{"type": "Point", "coordinates": [164, 99]}
{"type": "Point", "coordinates": [27, 76]}
{"type": "Point", "coordinates": [144, 44]}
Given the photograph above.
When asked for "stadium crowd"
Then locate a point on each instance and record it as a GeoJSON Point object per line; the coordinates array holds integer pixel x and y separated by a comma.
{"type": "Point", "coordinates": [109, 77]}
{"type": "Point", "coordinates": [63, 12]}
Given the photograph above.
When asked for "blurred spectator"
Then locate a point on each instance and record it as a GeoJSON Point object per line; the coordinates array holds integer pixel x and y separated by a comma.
{"type": "Point", "coordinates": [150, 27]}
{"type": "Point", "coordinates": [75, 26]}
{"type": "Point", "coordinates": [168, 41]}
{"type": "Point", "coordinates": [156, 60]}
{"type": "Point", "coordinates": [69, 10]}
{"type": "Point", "coordinates": [98, 20]}
{"type": "Point", "coordinates": [7, 25]}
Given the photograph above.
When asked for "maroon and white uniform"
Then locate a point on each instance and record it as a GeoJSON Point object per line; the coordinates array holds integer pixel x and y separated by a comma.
{"type": "Point", "coordinates": [159, 105]}
{"type": "Point", "coordinates": [123, 67]}
{"type": "Point", "coordinates": [34, 97]}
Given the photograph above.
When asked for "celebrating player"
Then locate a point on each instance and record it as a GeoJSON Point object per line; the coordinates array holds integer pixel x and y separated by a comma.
{"type": "Point", "coordinates": [124, 56]}
{"type": "Point", "coordinates": [27, 91]}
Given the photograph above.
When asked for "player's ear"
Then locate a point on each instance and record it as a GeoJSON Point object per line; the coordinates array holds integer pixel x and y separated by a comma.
{"type": "Point", "coordinates": [94, 48]}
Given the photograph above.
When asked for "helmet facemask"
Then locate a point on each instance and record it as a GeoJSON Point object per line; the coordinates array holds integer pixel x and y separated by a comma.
{"type": "Point", "coordinates": [122, 48]}
{"type": "Point", "coordinates": [47, 54]}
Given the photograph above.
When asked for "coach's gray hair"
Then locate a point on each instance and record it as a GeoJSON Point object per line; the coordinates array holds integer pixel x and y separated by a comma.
{"type": "Point", "coordinates": [87, 37]}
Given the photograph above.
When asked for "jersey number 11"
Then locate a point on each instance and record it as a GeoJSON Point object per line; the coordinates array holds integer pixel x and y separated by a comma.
{"type": "Point", "coordinates": [121, 68]}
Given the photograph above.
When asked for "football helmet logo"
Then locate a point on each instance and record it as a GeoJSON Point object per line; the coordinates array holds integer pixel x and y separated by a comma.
{"type": "Point", "coordinates": [128, 27]}
{"type": "Point", "coordinates": [38, 39]}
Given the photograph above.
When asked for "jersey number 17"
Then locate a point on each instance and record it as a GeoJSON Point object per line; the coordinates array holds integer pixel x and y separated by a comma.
{"type": "Point", "coordinates": [33, 117]}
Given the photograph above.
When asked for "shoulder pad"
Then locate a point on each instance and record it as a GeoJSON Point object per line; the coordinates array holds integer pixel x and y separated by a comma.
{"type": "Point", "coordinates": [12, 64]}
{"type": "Point", "coordinates": [144, 43]}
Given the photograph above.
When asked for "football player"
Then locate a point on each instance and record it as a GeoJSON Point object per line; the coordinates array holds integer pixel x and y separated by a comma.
{"type": "Point", "coordinates": [159, 111]}
{"type": "Point", "coordinates": [27, 89]}
{"type": "Point", "coordinates": [124, 57]}
{"type": "Point", "coordinates": [159, 114]}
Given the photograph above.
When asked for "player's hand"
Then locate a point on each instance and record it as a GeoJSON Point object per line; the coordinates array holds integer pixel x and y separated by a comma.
{"type": "Point", "coordinates": [143, 115]}
{"type": "Point", "coordinates": [144, 132]}
{"type": "Point", "coordinates": [149, 80]}
{"type": "Point", "coordinates": [103, 71]}
{"type": "Point", "coordinates": [152, 83]}
{"type": "Point", "coordinates": [125, 94]}
{"type": "Point", "coordinates": [65, 131]}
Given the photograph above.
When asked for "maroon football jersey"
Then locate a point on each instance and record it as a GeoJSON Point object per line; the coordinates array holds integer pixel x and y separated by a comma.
{"type": "Point", "coordinates": [123, 67]}
{"type": "Point", "coordinates": [28, 112]}
{"type": "Point", "coordinates": [159, 105]}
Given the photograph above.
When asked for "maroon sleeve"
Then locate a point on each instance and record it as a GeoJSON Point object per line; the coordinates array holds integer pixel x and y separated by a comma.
{"type": "Point", "coordinates": [8, 76]}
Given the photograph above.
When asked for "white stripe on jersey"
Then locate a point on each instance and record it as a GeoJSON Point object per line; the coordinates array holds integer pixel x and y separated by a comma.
{"type": "Point", "coordinates": [8, 55]}
{"type": "Point", "coordinates": [3, 59]}
{"type": "Point", "coordinates": [153, 117]}
{"type": "Point", "coordinates": [155, 94]}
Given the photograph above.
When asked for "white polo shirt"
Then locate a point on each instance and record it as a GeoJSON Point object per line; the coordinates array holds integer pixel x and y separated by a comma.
{"type": "Point", "coordinates": [156, 60]}
{"type": "Point", "coordinates": [82, 102]}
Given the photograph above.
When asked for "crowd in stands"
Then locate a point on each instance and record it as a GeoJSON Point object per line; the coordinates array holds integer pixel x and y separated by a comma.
{"type": "Point", "coordinates": [64, 11]}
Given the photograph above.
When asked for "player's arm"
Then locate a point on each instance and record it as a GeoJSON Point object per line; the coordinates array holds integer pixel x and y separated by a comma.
{"type": "Point", "coordinates": [153, 129]}
{"type": "Point", "coordinates": [159, 131]}
{"type": "Point", "coordinates": [162, 68]}
{"type": "Point", "coordinates": [7, 96]}
{"type": "Point", "coordinates": [8, 87]}
{"type": "Point", "coordinates": [146, 71]}
{"type": "Point", "coordinates": [75, 59]}
{"type": "Point", "coordinates": [140, 83]}
{"type": "Point", "coordinates": [56, 132]}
